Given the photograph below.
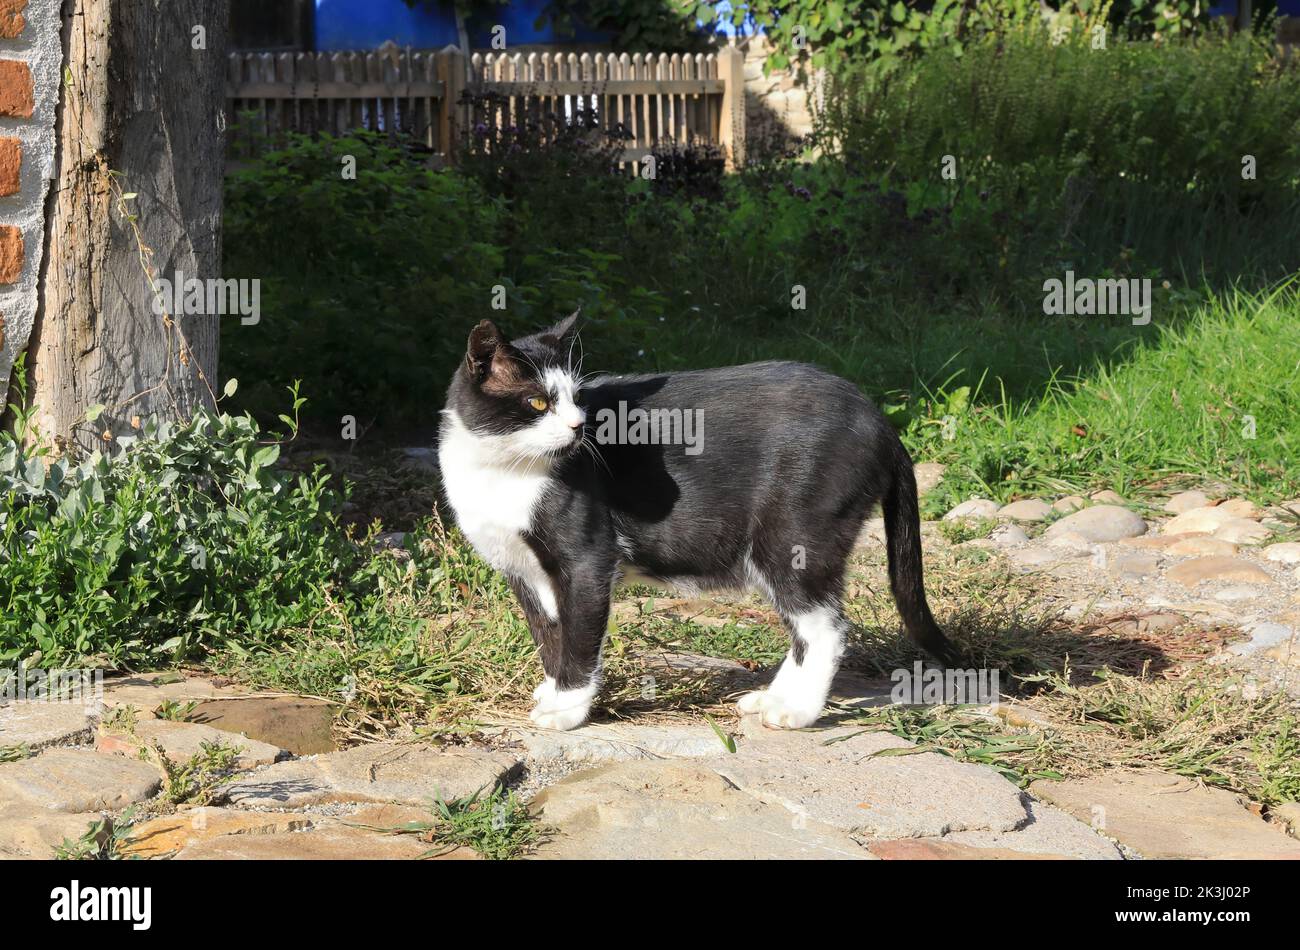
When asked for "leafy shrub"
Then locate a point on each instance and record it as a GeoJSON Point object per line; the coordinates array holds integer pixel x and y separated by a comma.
{"type": "Point", "coordinates": [510, 160]}
{"type": "Point", "coordinates": [693, 170]}
{"type": "Point", "coordinates": [881, 34]}
{"type": "Point", "coordinates": [186, 536]}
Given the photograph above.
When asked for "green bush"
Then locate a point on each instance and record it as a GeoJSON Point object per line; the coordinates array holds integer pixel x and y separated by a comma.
{"type": "Point", "coordinates": [185, 537]}
{"type": "Point", "coordinates": [1174, 116]}
{"type": "Point", "coordinates": [880, 35]}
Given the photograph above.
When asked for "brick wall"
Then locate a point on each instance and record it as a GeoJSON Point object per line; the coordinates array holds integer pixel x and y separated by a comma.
{"type": "Point", "coordinates": [30, 61]}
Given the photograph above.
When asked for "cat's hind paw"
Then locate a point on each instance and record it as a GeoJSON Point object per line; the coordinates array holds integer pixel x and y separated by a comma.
{"type": "Point", "coordinates": [562, 719]}
{"type": "Point", "coordinates": [777, 711]}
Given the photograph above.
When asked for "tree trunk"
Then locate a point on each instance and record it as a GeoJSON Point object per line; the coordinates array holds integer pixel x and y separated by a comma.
{"type": "Point", "coordinates": [140, 113]}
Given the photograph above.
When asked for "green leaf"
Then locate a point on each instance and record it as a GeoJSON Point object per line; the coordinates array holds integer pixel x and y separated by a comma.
{"type": "Point", "coordinates": [958, 400]}
{"type": "Point", "coordinates": [728, 742]}
{"type": "Point", "coordinates": [917, 750]}
{"type": "Point", "coordinates": [266, 456]}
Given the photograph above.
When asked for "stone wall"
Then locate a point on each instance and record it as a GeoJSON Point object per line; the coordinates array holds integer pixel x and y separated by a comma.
{"type": "Point", "coordinates": [30, 59]}
{"type": "Point", "coordinates": [778, 98]}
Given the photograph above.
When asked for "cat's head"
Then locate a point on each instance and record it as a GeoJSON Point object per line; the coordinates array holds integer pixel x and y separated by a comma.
{"type": "Point", "coordinates": [521, 394]}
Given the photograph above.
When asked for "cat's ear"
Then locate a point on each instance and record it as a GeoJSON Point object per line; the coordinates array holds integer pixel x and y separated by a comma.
{"type": "Point", "coordinates": [484, 341]}
{"type": "Point", "coordinates": [560, 336]}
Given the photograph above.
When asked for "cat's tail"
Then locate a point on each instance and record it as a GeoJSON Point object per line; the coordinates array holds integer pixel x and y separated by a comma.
{"type": "Point", "coordinates": [903, 544]}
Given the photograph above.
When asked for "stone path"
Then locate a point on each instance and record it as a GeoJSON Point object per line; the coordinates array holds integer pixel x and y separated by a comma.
{"type": "Point", "coordinates": [1192, 560]}
{"type": "Point", "coordinates": [610, 790]}
{"type": "Point", "coordinates": [665, 790]}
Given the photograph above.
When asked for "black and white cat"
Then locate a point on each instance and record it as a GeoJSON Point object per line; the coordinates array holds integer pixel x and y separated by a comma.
{"type": "Point", "coordinates": [770, 493]}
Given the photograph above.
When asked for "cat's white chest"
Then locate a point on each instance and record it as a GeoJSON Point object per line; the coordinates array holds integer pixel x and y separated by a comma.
{"type": "Point", "coordinates": [494, 507]}
{"type": "Point", "coordinates": [493, 510]}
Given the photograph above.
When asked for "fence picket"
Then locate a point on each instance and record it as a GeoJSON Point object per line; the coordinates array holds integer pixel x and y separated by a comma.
{"type": "Point", "coordinates": [304, 74]}
{"type": "Point", "coordinates": [264, 71]}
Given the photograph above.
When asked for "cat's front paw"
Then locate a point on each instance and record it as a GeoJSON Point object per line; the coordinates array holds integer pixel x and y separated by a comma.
{"type": "Point", "coordinates": [561, 708]}
{"type": "Point", "coordinates": [777, 711]}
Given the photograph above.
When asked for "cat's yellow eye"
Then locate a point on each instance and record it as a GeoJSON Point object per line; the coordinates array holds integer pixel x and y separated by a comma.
{"type": "Point", "coordinates": [538, 403]}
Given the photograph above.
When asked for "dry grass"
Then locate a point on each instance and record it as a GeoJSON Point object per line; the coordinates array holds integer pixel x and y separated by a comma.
{"type": "Point", "coordinates": [1002, 620]}
{"type": "Point", "coordinates": [1204, 727]}
{"type": "Point", "coordinates": [1207, 725]}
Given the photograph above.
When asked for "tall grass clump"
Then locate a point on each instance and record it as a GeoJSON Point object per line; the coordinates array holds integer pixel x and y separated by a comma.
{"type": "Point", "coordinates": [1081, 151]}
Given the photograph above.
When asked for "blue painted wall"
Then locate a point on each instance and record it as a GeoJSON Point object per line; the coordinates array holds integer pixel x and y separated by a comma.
{"type": "Point", "coordinates": [1229, 8]}
{"type": "Point", "coordinates": [362, 24]}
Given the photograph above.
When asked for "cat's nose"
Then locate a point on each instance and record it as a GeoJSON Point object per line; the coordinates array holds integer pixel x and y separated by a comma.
{"type": "Point", "coordinates": [577, 419]}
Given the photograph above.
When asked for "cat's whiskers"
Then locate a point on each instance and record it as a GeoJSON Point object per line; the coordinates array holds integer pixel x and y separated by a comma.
{"type": "Point", "coordinates": [589, 447]}
{"type": "Point", "coordinates": [577, 341]}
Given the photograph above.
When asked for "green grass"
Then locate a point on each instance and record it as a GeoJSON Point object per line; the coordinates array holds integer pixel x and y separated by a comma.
{"type": "Point", "coordinates": [14, 753]}
{"type": "Point", "coordinates": [497, 826]}
{"type": "Point", "coordinates": [1194, 727]}
{"type": "Point", "coordinates": [760, 643]}
{"type": "Point", "coordinates": [966, 529]}
{"type": "Point", "coordinates": [965, 736]}
{"type": "Point", "coordinates": [1203, 726]}
{"type": "Point", "coordinates": [1177, 410]}
{"type": "Point", "coordinates": [432, 639]}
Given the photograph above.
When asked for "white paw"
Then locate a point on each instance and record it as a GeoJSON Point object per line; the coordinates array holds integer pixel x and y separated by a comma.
{"type": "Point", "coordinates": [562, 719]}
{"type": "Point", "coordinates": [562, 708]}
{"type": "Point", "coordinates": [778, 712]}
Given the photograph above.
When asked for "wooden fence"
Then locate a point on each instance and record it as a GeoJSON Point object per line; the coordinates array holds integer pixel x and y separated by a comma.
{"type": "Point", "coordinates": [654, 99]}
